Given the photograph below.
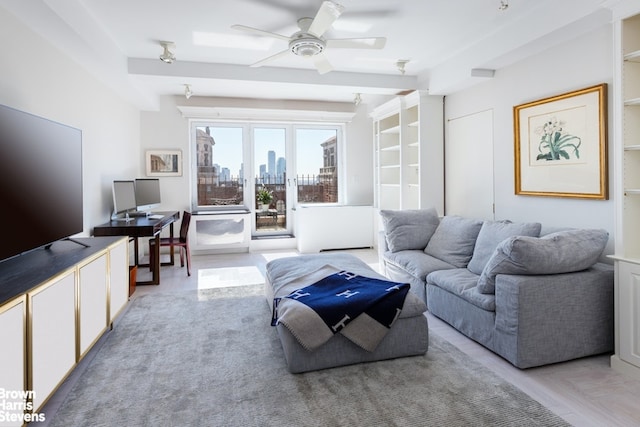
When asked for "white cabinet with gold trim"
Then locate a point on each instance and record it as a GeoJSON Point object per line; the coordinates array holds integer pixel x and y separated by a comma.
{"type": "Point", "coordinates": [12, 357]}
{"type": "Point", "coordinates": [92, 302]}
{"type": "Point", "coordinates": [118, 278]}
{"type": "Point", "coordinates": [52, 325]}
{"type": "Point", "coordinates": [57, 304]}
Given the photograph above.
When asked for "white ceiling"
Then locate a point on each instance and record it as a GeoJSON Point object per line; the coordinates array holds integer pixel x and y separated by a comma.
{"type": "Point", "coordinates": [444, 40]}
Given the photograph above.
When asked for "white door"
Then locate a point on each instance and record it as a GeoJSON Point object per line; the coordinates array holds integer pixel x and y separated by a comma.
{"type": "Point", "coordinates": [469, 166]}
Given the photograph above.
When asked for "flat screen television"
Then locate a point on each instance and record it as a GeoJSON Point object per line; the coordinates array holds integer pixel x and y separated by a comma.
{"type": "Point", "coordinates": [147, 194]}
{"type": "Point", "coordinates": [40, 182]}
{"type": "Point", "coordinates": [124, 198]}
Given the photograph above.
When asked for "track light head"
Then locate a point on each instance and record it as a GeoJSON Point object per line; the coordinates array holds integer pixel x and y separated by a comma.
{"type": "Point", "coordinates": [401, 64]}
{"type": "Point", "coordinates": [167, 56]}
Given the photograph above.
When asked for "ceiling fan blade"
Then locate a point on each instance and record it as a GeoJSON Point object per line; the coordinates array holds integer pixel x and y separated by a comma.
{"type": "Point", "coordinates": [270, 58]}
{"type": "Point", "coordinates": [359, 43]}
{"type": "Point", "coordinates": [322, 64]}
{"type": "Point", "coordinates": [258, 32]}
{"type": "Point", "coordinates": [327, 14]}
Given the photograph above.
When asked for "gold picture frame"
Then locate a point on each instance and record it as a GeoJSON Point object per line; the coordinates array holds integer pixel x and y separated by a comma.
{"type": "Point", "coordinates": [163, 162]}
{"type": "Point", "coordinates": [561, 145]}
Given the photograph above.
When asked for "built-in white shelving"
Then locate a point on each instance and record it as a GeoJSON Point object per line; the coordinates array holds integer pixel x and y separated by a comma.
{"type": "Point", "coordinates": [408, 141]}
{"type": "Point", "coordinates": [627, 183]}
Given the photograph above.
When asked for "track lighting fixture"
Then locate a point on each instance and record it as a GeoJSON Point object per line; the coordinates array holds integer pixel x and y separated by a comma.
{"type": "Point", "coordinates": [187, 91]}
{"type": "Point", "coordinates": [400, 64]}
{"type": "Point", "coordinates": [167, 56]}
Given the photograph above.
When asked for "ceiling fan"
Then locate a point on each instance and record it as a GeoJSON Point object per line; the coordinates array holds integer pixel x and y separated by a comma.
{"type": "Point", "coordinates": [309, 43]}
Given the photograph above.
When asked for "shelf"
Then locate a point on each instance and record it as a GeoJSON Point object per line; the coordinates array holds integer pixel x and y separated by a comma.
{"type": "Point", "coordinates": [632, 191]}
{"type": "Point", "coordinates": [632, 147]}
{"type": "Point", "coordinates": [391, 148]}
{"type": "Point", "coordinates": [405, 148]}
{"type": "Point", "coordinates": [632, 102]}
{"type": "Point", "coordinates": [633, 56]}
{"type": "Point", "coordinates": [395, 129]}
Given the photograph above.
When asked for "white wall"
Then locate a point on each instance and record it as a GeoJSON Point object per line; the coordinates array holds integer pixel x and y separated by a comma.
{"type": "Point", "coordinates": [581, 63]}
{"type": "Point", "coordinates": [37, 78]}
{"type": "Point", "coordinates": [167, 129]}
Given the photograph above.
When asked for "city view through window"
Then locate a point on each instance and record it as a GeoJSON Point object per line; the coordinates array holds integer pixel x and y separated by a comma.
{"type": "Point", "coordinates": [222, 173]}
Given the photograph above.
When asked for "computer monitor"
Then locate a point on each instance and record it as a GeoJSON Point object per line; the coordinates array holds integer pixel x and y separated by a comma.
{"type": "Point", "coordinates": [124, 198]}
{"type": "Point", "coordinates": [147, 194]}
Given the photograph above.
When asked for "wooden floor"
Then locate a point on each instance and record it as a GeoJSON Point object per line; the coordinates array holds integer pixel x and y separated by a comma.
{"type": "Point", "coordinates": [585, 392]}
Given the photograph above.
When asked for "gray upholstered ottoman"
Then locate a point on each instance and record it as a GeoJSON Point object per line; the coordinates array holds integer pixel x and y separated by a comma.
{"type": "Point", "coordinates": [409, 335]}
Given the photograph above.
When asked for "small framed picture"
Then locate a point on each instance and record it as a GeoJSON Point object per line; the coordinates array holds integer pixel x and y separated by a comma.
{"type": "Point", "coordinates": [164, 162]}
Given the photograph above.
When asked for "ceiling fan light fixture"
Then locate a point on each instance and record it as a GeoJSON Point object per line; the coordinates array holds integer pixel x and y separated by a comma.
{"type": "Point", "coordinates": [307, 46]}
{"type": "Point", "coordinates": [167, 56]}
{"type": "Point", "coordinates": [309, 42]}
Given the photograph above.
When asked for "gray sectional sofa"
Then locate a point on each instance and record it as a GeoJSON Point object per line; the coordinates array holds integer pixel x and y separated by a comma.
{"type": "Point", "coordinates": [533, 299]}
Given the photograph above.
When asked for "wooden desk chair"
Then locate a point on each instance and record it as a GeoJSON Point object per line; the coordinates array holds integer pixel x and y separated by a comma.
{"type": "Point", "coordinates": [182, 241]}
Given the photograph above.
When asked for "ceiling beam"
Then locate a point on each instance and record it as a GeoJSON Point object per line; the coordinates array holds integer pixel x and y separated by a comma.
{"type": "Point", "coordinates": [384, 82]}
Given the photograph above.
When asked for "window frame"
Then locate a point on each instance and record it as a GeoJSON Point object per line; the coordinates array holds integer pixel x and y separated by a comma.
{"type": "Point", "coordinates": [247, 127]}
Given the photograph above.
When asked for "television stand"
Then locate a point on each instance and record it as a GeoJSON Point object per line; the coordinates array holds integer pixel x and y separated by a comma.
{"type": "Point", "coordinates": [69, 239]}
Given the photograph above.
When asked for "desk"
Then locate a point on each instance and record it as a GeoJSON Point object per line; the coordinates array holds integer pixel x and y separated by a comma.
{"type": "Point", "coordinates": [142, 227]}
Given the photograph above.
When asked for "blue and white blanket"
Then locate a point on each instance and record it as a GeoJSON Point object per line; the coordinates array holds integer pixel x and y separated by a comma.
{"type": "Point", "coordinates": [360, 308]}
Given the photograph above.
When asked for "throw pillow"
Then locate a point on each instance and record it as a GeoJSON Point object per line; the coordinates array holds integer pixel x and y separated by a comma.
{"type": "Point", "coordinates": [494, 232]}
{"type": "Point", "coordinates": [454, 240]}
{"type": "Point", "coordinates": [409, 229]}
{"type": "Point", "coordinates": [561, 252]}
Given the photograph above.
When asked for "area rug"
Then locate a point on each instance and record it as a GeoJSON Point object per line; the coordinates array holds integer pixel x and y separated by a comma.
{"type": "Point", "coordinates": [210, 358]}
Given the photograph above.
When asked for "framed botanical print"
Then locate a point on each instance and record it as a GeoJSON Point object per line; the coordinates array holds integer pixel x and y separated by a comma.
{"type": "Point", "coordinates": [561, 145]}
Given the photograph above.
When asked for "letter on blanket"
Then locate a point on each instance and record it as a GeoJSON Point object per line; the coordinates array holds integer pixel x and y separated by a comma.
{"type": "Point", "coordinates": [298, 294]}
{"type": "Point", "coordinates": [341, 324]}
{"type": "Point", "coordinates": [347, 275]}
{"type": "Point", "coordinates": [347, 293]}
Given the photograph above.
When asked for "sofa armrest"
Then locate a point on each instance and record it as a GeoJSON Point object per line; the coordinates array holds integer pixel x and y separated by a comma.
{"type": "Point", "coordinates": [544, 319]}
{"type": "Point", "coordinates": [382, 248]}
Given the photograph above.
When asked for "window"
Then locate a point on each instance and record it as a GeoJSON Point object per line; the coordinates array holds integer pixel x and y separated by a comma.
{"type": "Point", "coordinates": [232, 162]}
{"type": "Point", "coordinates": [219, 172]}
{"type": "Point", "coordinates": [317, 165]}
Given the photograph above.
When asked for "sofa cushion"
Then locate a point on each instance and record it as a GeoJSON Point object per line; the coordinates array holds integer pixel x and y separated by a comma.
{"type": "Point", "coordinates": [561, 252]}
{"type": "Point", "coordinates": [454, 240]}
{"type": "Point", "coordinates": [416, 263]}
{"type": "Point", "coordinates": [462, 283]}
{"type": "Point", "coordinates": [494, 232]}
{"type": "Point", "coordinates": [409, 229]}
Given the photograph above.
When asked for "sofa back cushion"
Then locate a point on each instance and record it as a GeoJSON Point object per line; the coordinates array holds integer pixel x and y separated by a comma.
{"type": "Point", "coordinates": [410, 228]}
{"type": "Point", "coordinates": [561, 252]}
{"type": "Point", "coordinates": [494, 232]}
{"type": "Point", "coordinates": [454, 240]}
